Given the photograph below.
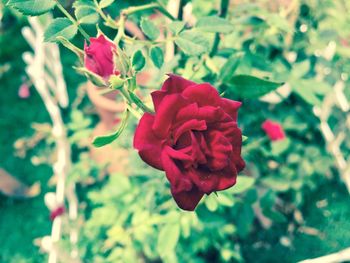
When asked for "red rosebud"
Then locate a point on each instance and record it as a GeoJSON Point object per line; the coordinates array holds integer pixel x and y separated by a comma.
{"type": "Point", "coordinates": [274, 130]}
{"type": "Point", "coordinates": [57, 212]}
{"type": "Point", "coordinates": [193, 136]}
{"type": "Point", "coordinates": [99, 56]}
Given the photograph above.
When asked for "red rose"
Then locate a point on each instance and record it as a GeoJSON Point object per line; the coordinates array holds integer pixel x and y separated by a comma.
{"type": "Point", "coordinates": [274, 130]}
{"type": "Point", "coordinates": [99, 56]}
{"type": "Point", "coordinates": [193, 136]}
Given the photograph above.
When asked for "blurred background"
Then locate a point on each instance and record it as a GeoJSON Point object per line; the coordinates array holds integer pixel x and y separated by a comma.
{"type": "Point", "coordinates": [291, 202]}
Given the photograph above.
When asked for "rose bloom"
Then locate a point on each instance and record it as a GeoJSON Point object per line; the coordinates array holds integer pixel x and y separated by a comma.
{"type": "Point", "coordinates": [99, 56]}
{"type": "Point", "coordinates": [193, 136]}
{"type": "Point", "coordinates": [273, 130]}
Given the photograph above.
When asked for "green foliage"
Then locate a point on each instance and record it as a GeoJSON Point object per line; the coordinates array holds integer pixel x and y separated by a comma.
{"type": "Point", "coordinates": [138, 60]}
{"type": "Point", "coordinates": [176, 27]}
{"type": "Point", "coordinates": [107, 139]}
{"type": "Point", "coordinates": [214, 24]}
{"type": "Point", "coordinates": [32, 7]}
{"type": "Point", "coordinates": [192, 42]}
{"type": "Point", "coordinates": [157, 56]}
{"type": "Point", "coordinates": [60, 27]}
{"type": "Point", "coordinates": [150, 29]}
{"type": "Point", "coordinates": [250, 87]}
{"type": "Point", "coordinates": [105, 3]}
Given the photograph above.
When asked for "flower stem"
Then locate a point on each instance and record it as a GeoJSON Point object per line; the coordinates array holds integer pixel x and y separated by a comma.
{"type": "Point", "coordinates": [121, 28]}
{"type": "Point", "coordinates": [109, 21]}
{"type": "Point", "coordinates": [134, 9]}
{"type": "Point", "coordinates": [81, 30]}
{"type": "Point", "coordinates": [222, 13]}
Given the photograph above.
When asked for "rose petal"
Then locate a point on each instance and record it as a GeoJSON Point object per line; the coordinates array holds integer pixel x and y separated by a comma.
{"type": "Point", "coordinates": [166, 112]}
{"type": "Point", "coordinates": [176, 84]}
{"type": "Point", "coordinates": [148, 144]}
{"type": "Point", "coordinates": [207, 181]}
{"type": "Point", "coordinates": [203, 94]}
{"type": "Point", "coordinates": [157, 97]}
{"type": "Point", "coordinates": [188, 200]}
{"type": "Point", "coordinates": [177, 177]}
{"type": "Point", "coordinates": [191, 125]}
{"type": "Point", "coordinates": [227, 178]}
{"type": "Point", "coordinates": [231, 107]}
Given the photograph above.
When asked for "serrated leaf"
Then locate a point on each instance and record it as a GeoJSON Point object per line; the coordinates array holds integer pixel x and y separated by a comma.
{"type": "Point", "coordinates": [250, 87]}
{"type": "Point", "coordinates": [167, 239]}
{"type": "Point", "coordinates": [309, 89]}
{"type": "Point", "coordinates": [105, 3]}
{"type": "Point", "coordinates": [107, 139]}
{"type": "Point", "coordinates": [84, 3]}
{"type": "Point", "coordinates": [279, 147]}
{"type": "Point", "coordinates": [176, 27]}
{"type": "Point", "coordinates": [276, 183]}
{"type": "Point", "coordinates": [192, 42]}
{"type": "Point", "coordinates": [138, 60]}
{"type": "Point", "coordinates": [60, 27]}
{"type": "Point", "coordinates": [150, 29]}
{"type": "Point", "coordinates": [86, 15]}
{"type": "Point", "coordinates": [65, 42]}
{"type": "Point", "coordinates": [32, 7]}
{"type": "Point", "coordinates": [214, 24]}
{"type": "Point", "coordinates": [242, 185]}
{"type": "Point", "coordinates": [94, 78]}
{"type": "Point", "coordinates": [157, 56]}
{"type": "Point", "coordinates": [229, 68]}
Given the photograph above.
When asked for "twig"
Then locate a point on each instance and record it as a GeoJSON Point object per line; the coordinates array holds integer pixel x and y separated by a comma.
{"type": "Point", "coordinates": [222, 13]}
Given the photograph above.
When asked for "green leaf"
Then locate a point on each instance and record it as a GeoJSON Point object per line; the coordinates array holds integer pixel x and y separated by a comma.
{"type": "Point", "coordinates": [176, 27]}
{"type": "Point", "coordinates": [86, 15]}
{"type": "Point", "coordinates": [149, 28]}
{"type": "Point", "coordinates": [276, 183]}
{"type": "Point", "coordinates": [214, 24]}
{"type": "Point", "coordinates": [274, 215]}
{"type": "Point", "coordinates": [305, 90]}
{"type": "Point", "coordinates": [65, 42]}
{"type": "Point", "coordinates": [242, 185]}
{"type": "Point", "coordinates": [230, 67]}
{"type": "Point", "coordinates": [32, 7]}
{"type": "Point", "coordinates": [107, 139]}
{"type": "Point", "coordinates": [84, 3]}
{"type": "Point", "coordinates": [192, 42]}
{"type": "Point", "coordinates": [138, 60]}
{"type": "Point", "coordinates": [279, 147]}
{"type": "Point", "coordinates": [167, 239]}
{"type": "Point", "coordinates": [105, 3]}
{"type": "Point", "coordinates": [211, 202]}
{"type": "Point", "coordinates": [250, 87]}
{"type": "Point", "coordinates": [278, 22]}
{"type": "Point", "coordinates": [94, 78]}
{"type": "Point", "coordinates": [157, 56]}
{"type": "Point", "coordinates": [62, 27]}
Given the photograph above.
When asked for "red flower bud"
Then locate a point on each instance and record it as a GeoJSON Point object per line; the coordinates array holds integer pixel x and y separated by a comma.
{"type": "Point", "coordinates": [99, 56]}
{"type": "Point", "coordinates": [273, 130]}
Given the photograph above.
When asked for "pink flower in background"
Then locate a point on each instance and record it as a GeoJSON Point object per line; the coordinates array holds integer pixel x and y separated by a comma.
{"type": "Point", "coordinates": [99, 56]}
{"type": "Point", "coordinates": [57, 212]}
{"type": "Point", "coordinates": [23, 91]}
{"type": "Point", "coordinates": [273, 130]}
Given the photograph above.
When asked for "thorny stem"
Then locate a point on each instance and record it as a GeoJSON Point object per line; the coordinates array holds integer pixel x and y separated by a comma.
{"type": "Point", "coordinates": [108, 20]}
{"type": "Point", "coordinates": [75, 22]}
{"type": "Point", "coordinates": [222, 13]}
